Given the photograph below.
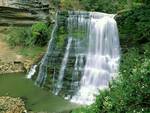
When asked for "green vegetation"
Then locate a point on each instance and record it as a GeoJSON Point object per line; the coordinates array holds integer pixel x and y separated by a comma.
{"type": "Point", "coordinates": [111, 6]}
{"type": "Point", "coordinates": [18, 36]}
{"type": "Point", "coordinates": [29, 41]}
{"type": "Point", "coordinates": [134, 25]}
{"type": "Point", "coordinates": [70, 5]}
{"type": "Point", "coordinates": [31, 52]}
{"type": "Point", "coordinates": [37, 35]}
{"type": "Point", "coordinates": [108, 6]}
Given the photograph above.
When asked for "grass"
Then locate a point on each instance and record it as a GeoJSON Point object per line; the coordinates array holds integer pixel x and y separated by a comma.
{"type": "Point", "coordinates": [30, 52]}
{"type": "Point", "coordinates": [36, 99]}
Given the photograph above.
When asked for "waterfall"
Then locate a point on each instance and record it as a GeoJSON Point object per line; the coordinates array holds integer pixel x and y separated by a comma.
{"type": "Point", "coordinates": [44, 62]}
{"type": "Point", "coordinates": [102, 59]}
{"type": "Point", "coordinates": [95, 61]}
{"type": "Point", "coordinates": [63, 67]}
{"type": "Point", "coordinates": [78, 66]}
{"type": "Point", "coordinates": [32, 71]}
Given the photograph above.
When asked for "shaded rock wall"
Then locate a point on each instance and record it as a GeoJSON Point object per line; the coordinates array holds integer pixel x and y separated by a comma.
{"type": "Point", "coordinates": [23, 12]}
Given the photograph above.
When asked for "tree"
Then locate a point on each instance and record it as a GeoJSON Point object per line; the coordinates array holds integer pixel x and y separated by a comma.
{"type": "Point", "coordinates": [130, 3]}
{"type": "Point", "coordinates": [70, 4]}
{"type": "Point", "coordinates": [147, 2]}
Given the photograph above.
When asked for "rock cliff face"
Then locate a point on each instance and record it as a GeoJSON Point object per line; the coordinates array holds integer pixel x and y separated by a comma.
{"type": "Point", "coordinates": [23, 12]}
{"type": "Point", "coordinates": [12, 105]}
{"type": "Point", "coordinates": [6, 2]}
{"type": "Point", "coordinates": [15, 3]}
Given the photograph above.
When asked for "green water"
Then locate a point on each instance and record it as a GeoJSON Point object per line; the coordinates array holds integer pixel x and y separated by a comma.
{"type": "Point", "coordinates": [36, 99]}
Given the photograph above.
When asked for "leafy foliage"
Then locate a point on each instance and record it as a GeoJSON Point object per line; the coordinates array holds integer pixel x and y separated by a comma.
{"type": "Point", "coordinates": [18, 36]}
{"type": "Point", "coordinates": [37, 35]}
{"type": "Point", "coordinates": [110, 6]}
{"type": "Point", "coordinates": [135, 24]}
{"type": "Point", "coordinates": [70, 4]}
{"type": "Point", "coordinates": [31, 52]}
{"type": "Point", "coordinates": [147, 2]}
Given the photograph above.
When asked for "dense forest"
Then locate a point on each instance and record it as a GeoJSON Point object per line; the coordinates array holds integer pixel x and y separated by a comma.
{"type": "Point", "coordinates": [129, 92]}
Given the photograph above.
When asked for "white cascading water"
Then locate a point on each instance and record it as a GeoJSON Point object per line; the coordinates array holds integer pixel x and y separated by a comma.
{"type": "Point", "coordinates": [102, 59]}
{"type": "Point", "coordinates": [79, 63]}
{"type": "Point", "coordinates": [78, 68]}
{"type": "Point", "coordinates": [32, 71]}
{"type": "Point", "coordinates": [102, 55]}
{"type": "Point", "coordinates": [42, 75]}
{"type": "Point", "coordinates": [63, 67]}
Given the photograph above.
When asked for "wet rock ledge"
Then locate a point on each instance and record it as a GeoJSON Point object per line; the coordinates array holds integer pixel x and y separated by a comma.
{"type": "Point", "coordinates": [12, 105]}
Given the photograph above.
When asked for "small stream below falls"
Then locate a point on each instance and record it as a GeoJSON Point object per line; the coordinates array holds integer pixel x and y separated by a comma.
{"type": "Point", "coordinates": [36, 99]}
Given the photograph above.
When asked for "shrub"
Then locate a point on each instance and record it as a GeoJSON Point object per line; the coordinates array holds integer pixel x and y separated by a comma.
{"type": "Point", "coordinates": [70, 4]}
{"type": "Point", "coordinates": [109, 6]}
{"type": "Point", "coordinates": [147, 2]}
{"type": "Point", "coordinates": [134, 25]}
{"type": "Point", "coordinates": [18, 36]}
{"type": "Point", "coordinates": [39, 34]}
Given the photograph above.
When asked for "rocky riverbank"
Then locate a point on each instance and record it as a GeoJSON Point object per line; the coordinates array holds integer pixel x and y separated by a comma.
{"type": "Point", "coordinates": [12, 105]}
{"type": "Point", "coordinates": [15, 66]}
{"type": "Point", "coordinates": [10, 60]}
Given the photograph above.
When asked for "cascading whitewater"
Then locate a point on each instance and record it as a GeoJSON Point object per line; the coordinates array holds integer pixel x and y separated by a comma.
{"type": "Point", "coordinates": [44, 62]}
{"type": "Point", "coordinates": [63, 67]}
{"type": "Point", "coordinates": [32, 71]}
{"type": "Point", "coordinates": [76, 24]}
{"type": "Point", "coordinates": [97, 54]}
{"type": "Point", "coordinates": [78, 66]}
{"type": "Point", "coordinates": [102, 58]}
